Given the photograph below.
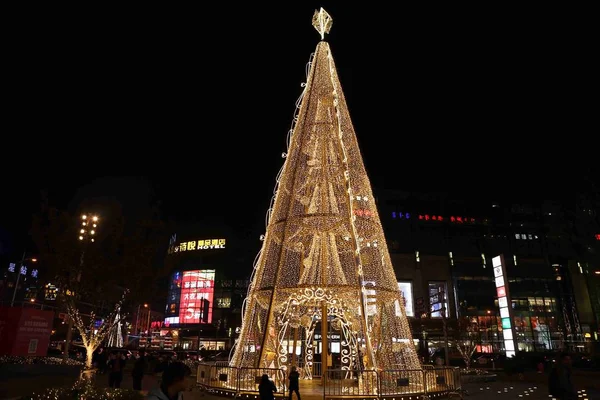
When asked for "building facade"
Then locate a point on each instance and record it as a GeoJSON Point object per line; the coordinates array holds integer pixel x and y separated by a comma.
{"type": "Point", "coordinates": [441, 245]}
{"type": "Point", "coordinates": [208, 282]}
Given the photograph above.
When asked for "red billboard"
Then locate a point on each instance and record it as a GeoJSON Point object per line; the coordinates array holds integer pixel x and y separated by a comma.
{"type": "Point", "coordinates": [197, 292]}
{"type": "Point", "coordinates": [25, 331]}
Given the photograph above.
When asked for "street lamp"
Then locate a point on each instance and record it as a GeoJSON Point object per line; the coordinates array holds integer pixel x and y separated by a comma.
{"type": "Point", "coordinates": [85, 236]}
{"type": "Point", "coordinates": [23, 259]}
{"type": "Point", "coordinates": [85, 233]}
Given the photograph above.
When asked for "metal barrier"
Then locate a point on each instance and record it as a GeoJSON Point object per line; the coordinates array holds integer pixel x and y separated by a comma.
{"type": "Point", "coordinates": [442, 380]}
{"type": "Point", "coordinates": [203, 375]}
{"type": "Point", "coordinates": [249, 378]}
{"type": "Point", "coordinates": [317, 369]}
{"type": "Point", "coordinates": [343, 383]}
{"type": "Point", "coordinates": [402, 381]}
{"type": "Point", "coordinates": [337, 383]}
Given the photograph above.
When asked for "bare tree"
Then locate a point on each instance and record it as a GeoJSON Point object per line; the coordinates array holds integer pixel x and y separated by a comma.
{"type": "Point", "coordinates": [468, 340]}
{"type": "Point", "coordinates": [93, 333]}
{"type": "Point", "coordinates": [93, 276]}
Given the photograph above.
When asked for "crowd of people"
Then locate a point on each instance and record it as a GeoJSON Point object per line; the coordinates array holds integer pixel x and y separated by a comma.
{"type": "Point", "coordinates": [112, 364]}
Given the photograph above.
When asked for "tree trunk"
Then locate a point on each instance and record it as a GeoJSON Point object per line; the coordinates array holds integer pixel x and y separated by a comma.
{"type": "Point", "coordinates": [89, 357]}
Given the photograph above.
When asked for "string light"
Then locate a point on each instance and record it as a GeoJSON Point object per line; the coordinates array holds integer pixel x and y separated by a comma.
{"type": "Point", "coordinates": [325, 236]}
{"type": "Point", "coordinates": [92, 336]}
{"type": "Point", "coordinates": [85, 389]}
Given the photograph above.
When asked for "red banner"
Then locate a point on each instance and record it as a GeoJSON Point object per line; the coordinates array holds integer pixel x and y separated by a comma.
{"type": "Point", "coordinates": [25, 331]}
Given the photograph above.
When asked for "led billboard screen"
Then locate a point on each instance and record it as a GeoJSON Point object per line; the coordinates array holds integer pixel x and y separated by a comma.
{"type": "Point", "coordinates": [191, 297]}
{"type": "Point", "coordinates": [407, 294]}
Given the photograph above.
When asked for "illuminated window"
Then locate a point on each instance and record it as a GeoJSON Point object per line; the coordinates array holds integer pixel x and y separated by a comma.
{"type": "Point", "coordinates": [224, 302]}
{"type": "Point", "coordinates": [407, 296]}
{"type": "Point", "coordinates": [438, 300]}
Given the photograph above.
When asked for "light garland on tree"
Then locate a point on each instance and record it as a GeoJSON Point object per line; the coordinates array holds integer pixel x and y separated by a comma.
{"type": "Point", "coordinates": [92, 336]}
{"type": "Point", "coordinates": [324, 235]}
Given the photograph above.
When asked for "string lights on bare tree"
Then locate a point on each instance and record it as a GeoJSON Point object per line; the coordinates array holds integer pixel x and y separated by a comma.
{"type": "Point", "coordinates": [93, 330]}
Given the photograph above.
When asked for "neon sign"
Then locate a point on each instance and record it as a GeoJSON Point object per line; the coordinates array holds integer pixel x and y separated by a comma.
{"type": "Point", "coordinates": [400, 215]}
{"type": "Point", "coordinates": [193, 245]}
{"type": "Point", "coordinates": [437, 218]}
{"type": "Point", "coordinates": [363, 213]}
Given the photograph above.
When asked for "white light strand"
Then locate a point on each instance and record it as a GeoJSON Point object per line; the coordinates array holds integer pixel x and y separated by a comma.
{"type": "Point", "coordinates": [351, 207]}
{"type": "Point", "coordinates": [256, 263]}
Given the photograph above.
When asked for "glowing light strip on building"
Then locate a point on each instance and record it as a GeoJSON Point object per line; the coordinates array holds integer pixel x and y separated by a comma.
{"type": "Point", "coordinates": [193, 245]}
{"type": "Point", "coordinates": [505, 305]}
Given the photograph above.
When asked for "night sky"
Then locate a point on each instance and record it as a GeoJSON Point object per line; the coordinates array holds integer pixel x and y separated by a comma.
{"type": "Point", "coordinates": [197, 105]}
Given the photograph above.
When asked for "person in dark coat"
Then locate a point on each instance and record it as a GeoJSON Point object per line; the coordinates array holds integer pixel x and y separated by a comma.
{"type": "Point", "coordinates": [115, 369]}
{"type": "Point", "coordinates": [139, 367]}
{"type": "Point", "coordinates": [172, 384]}
{"type": "Point", "coordinates": [266, 388]}
{"type": "Point", "coordinates": [100, 360]}
{"type": "Point", "coordinates": [294, 383]}
{"type": "Point", "coordinates": [559, 381]}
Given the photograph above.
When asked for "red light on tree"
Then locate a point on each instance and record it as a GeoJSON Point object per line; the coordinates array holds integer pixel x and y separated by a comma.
{"type": "Point", "coordinates": [420, 217]}
{"type": "Point", "coordinates": [452, 219]}
{"type": "Point", "coordinates": [459, 219]}
{"type": "Point", "coordinates": [434, 218]}
{"type": "Point", "coordinates": [598, 236]}
{"type": "Point", "coordinates": [440, 218]}
{"type": "Point", "coordinates": [426, 217]}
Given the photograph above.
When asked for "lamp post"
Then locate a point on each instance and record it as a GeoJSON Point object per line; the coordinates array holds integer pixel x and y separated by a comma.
{"type": "Point", "coordinates": [23, 259]}
{"type": "Point", "coordinates": [87, 233]}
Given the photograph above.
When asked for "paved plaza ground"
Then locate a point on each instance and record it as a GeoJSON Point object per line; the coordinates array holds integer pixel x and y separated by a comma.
{"type": "Point", "coordinates": [533, 387]}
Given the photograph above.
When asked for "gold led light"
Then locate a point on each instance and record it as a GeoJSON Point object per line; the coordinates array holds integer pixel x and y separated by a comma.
{"type": "Point", "coordinates": [324, 259]}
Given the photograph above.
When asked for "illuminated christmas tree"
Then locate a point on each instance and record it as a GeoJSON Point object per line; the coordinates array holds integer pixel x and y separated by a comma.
{"type": "Point", "coordinates": [115, 337]}
{"type": "Point", "coordinates": [324, 267]}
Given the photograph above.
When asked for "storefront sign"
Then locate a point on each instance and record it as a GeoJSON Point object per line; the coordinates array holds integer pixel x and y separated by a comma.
{"type": "Point", "coordinates": [193, 245]}
{"type": "Point", "coordinates": [25, 331]}
{"type": "Point", "coordinates": [505, 305]}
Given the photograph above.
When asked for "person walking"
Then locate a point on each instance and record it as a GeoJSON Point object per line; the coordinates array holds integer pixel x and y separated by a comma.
{"type": "Point", "coordinates": [559, 381]}
{"type": "Point", "coordinates": [266, 388]}
{"type": "Point", "coordinates": [139, 367]}
{"type": "Point", "coordinates": [294, 383]}
{"type": "Point", "coordinates": [115, 368]}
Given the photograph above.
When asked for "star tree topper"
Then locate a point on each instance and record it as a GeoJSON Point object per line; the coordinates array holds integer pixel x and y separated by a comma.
{"type": "Point", "coordinates": [322, 22]}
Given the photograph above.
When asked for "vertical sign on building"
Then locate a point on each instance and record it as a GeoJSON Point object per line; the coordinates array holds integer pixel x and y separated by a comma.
{"type": "Point", "coordinates": [505, 305]}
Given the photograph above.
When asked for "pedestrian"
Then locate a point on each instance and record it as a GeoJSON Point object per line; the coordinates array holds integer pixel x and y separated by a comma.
{"type": "Point", "coordinates": [115, 368]}
{"type": "Point", "coordinates": [294, 383]}
{"type": "Point", "coordinates": [172, 383]}
{"type": "Point", "coordinates": [139, 367]}
{"type": "Point", "coordinates": [559, 381]}
{"type": "Point", "coordinates": [266, 388]}
{"type": "Point", "coordinates": [102, 360]}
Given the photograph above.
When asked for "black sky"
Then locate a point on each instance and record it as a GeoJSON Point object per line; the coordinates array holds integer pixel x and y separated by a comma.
{"type": "Point", "coordinates": [199, 103]}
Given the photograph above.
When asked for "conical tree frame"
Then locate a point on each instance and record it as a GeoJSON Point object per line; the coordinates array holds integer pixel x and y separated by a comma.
{"type": "Point", "coordinates": [324, 251]}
